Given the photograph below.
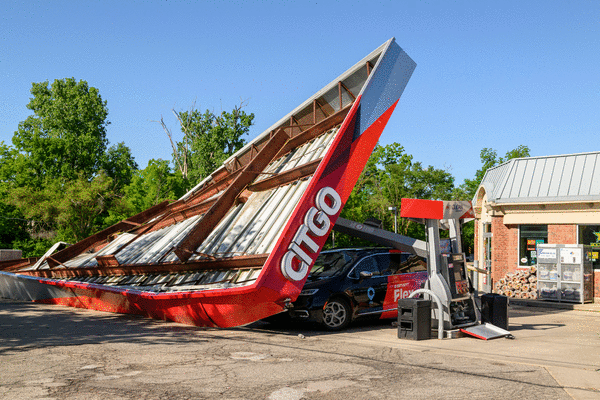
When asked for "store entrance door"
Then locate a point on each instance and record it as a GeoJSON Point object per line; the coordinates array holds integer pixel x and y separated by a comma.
{"type": "Point", "coordinates": [487, 257]}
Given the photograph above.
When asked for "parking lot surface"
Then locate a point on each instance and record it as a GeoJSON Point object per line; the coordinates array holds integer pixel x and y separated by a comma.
{"type": "Point", "coordinates": [52, 352]}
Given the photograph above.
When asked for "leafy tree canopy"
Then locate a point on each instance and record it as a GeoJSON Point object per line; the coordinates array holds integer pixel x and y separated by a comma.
{"type": "Point", "coordinates": [389, 176]}
{"type": "Point", "coordinates": [489, 158]}
{"type": "Point", "coordinates": [153, 185]}
{"type": "Point", "coordinates": [119, 164]}
{"type": "Point", "coordinates": [149, 187]}
{"type": "Point", "coordinates": [209, 139]}
{"type": "Point", "coordinates": [65, 138]}
{"type": "Point", "coordinates": [71, 209]}
{"type": "Point", "coordinates": [60, 178]}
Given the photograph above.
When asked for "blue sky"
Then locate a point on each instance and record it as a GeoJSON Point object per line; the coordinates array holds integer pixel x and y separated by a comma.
{"type": "Point", "coordinates": [489, 74]}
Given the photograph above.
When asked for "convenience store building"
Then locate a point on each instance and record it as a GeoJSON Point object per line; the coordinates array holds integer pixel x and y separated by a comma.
{"type": "Point", "coordinates": [527, 201]}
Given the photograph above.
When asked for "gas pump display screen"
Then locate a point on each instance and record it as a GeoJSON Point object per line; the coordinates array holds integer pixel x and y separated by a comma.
{"type": "Point", "coordinates": [457, 274]}
{"type": "Point", "coordinates": [460, 282]}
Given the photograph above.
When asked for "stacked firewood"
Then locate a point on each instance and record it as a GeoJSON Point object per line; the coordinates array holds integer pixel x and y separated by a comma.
{"type": "Point", "coordinates": [519, 285]}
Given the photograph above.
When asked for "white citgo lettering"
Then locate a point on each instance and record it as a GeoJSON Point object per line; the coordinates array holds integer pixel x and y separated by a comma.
{"type": "Point", "coordinates": [302, 237]}
{"type": "Point", "coordinates": [317, 222]}
{"type": "Point", "coordinates": [288, 270]}
{"type": "Point", "coordinates": [334, 197]}
{"type": "Point", "coordinates": [313, 215]}
{"type": "Point", "coordinates": [300, 253]}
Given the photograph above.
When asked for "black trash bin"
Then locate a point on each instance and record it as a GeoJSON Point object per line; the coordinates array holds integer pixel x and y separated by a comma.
{"type": "Point", "coordinates": [414, 319]}
{"type": "Point", "coordinates": [494, 310]}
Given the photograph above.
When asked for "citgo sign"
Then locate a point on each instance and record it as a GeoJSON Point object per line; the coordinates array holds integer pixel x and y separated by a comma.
{"type": "Point", "coordinates": [316, 221]}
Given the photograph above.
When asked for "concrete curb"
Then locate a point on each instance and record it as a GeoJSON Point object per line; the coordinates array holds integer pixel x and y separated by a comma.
{"type": "Point", "coordinates": [594, 307]}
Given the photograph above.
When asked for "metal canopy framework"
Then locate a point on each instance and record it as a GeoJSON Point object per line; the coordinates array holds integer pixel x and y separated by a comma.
{"type": "Point", "coordinates": [239, 245]}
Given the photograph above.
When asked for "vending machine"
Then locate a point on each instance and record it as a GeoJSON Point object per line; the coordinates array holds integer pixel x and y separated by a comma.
{"type": "Point", "coordinates": [565, 273]}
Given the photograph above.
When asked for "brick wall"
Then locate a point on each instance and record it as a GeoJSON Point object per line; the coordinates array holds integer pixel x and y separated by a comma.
{"type": "Point", "coordinates": [597, 285]}
{"type": "Point", "coordinates": [505, 248]}
{"type": "Point", "coordinates": [505, 244]}
{"type": "Point", "coordinates": [562, 234]}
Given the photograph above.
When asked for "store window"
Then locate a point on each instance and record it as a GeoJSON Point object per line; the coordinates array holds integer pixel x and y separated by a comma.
{"type": "Point", "coordinates": [590, 235]}
{"type": "Point", "coordinates": [529, 237]}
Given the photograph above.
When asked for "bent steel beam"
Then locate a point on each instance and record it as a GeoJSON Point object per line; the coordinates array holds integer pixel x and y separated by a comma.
{"type": "Point", "coordinates": [217, 211]}
{"type": "Point", "coordinates": [382, 237]}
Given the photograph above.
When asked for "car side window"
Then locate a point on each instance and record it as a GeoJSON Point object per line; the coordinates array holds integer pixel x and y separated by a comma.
{"type": "Point", "coordinates": [384, 264]}
{"type": "Point", "coordinates": [368, 264]}
{"type": "Point", "coordinates": [412, 264]}
{"type": "Point", "coordinates": [397, 260]}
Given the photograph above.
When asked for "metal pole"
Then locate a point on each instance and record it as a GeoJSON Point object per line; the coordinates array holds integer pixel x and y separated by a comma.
{"type": "Point", "coordinates": [455, 239]}
{"type": "Point", "coordinates": [395, 210]}
{"type": "Point", "coordinates": [434, 259]}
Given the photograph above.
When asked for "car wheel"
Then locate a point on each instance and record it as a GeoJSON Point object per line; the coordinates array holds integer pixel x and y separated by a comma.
{"type": "Point", "coordinates": [337, 314]}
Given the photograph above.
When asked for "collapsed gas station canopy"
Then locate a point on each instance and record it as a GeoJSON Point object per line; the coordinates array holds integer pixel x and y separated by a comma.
{"type": "Point", "coordinates": [240, 244]}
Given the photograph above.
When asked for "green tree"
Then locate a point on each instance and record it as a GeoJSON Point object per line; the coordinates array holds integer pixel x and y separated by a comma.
{"type": "Point", "coordinates": [65, 138]}
{"type": "Point", "coordinates": [119, 164]}
{"type": "Point", "coordinates": [489, 158]}
{"type": "Point", "coordinates": [13, 224]}
{"type": "Point", "coordinates": [397, 176]}
{"type": "Point", "coordinates": [71, 209]}
{"type": "Point", "coordinates": [389, 176]}
{"type": "Point", "coordinates": [149, 187]}
{"type": "Point", "coordinates": [209, 139]}
{"type": "Point", "coordinates": [153, 185]}
{"type": "Point", "coordinates": [60, 176]}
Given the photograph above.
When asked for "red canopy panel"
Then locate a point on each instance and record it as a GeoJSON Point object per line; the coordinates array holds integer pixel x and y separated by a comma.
{"type": "Point", "coordinates": [436, 209]}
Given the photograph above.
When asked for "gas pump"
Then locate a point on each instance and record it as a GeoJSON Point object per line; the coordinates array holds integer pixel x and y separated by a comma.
{"type": "Point", "coordinates": [447, 282]}
{"type": "Point", "coordinates": [447, 273]}
{"type": "Point", "coordinates": [462, 304]}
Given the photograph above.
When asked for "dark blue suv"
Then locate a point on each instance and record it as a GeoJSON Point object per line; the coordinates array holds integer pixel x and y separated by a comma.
{"type": "Point", "coordinates": [346, 284]}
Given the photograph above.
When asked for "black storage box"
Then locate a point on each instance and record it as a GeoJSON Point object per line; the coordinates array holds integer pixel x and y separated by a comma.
{"type": "Point", "coordinates": [414, 319]}
{"type": "Point", "coordinates": [494, 310]}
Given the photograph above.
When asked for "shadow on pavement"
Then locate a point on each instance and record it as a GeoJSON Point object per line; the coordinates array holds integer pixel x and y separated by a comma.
{"type": "Point", "coordinates": [26, 325]}
{"type": "Point", "coordinates": [534, 327]}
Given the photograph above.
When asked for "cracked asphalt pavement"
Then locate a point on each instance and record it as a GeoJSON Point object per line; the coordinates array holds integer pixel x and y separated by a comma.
{"type": "Point", "coordinates": [53, 352]}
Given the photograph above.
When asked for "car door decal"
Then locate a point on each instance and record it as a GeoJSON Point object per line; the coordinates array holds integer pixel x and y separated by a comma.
{"type": "Point", "coordinates": [400, 287]}
{"type": "Point", "coordinates": [371, 294]}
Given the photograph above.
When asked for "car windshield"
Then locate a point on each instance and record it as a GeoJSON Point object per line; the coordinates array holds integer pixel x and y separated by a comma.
{"type": "Point", "coordinates": [329, 264]}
